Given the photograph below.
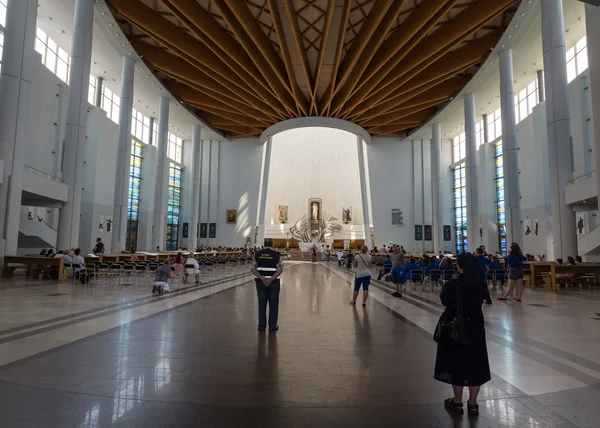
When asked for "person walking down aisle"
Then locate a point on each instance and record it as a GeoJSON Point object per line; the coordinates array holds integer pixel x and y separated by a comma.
{"type": "Point", "coordinates": [161, 279]}
{"type": "Point", "coordinates": [313, 252]}
{"type": "Point", "coordinates": [362, 263]}
{"type": "Point", "coordinates": [515, 261]}
{"type": "Point", "coordinates": [462, 366]}
{"type": "Point", "coordinates": [340, 256]}
{"type": "Point", "coordinates": [398, 277]}
{"type": "Point", "coordinates": [267, 267]}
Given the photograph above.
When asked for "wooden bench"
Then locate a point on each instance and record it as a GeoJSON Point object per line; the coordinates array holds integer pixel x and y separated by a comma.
{"type": "Point", "coordinates": [540, 272]}
{"type": "Point", "coordinates": [576, 270]}
{"type": "Point", "coordinates": [34, 264]}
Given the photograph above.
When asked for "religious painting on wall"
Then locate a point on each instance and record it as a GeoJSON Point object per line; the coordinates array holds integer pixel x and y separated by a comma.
{"type": "Point", "coordinates": [536, 227]}
{"type": "Point", "coordinates": [347, 215]}
{"type": "Point", "coordinates": [282, 214]}
{"type": "Point", "coordinates": [428, 232]}
{"type": "Point", "coordinates": [418, 232]}
{"type": "Point", "coordinates": [101, 223]}
{"type": "Point", "coordinates": [447, 233]}
{"type": "Point", "coordinates": [231, 216]}
{"type": "Point", "coordinates": [397, 217]}
{"type": "Point", "coordinates": [185, 230]}
{"type": "Point", "coordinates": [203, 230]}
{"type": "Point", "coordinates": [527, 224]}
{"type": "Point", "coordinates": [109, 223]}
{"type": "Point", "coordinates": [314, 210]}
{"type": "Point", "coordinates": [212, 230]}
{"type": "Point", "coordinates": [580, 226]}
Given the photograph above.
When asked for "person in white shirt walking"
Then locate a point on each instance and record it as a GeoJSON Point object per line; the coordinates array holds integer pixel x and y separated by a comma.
{"type": "Point", "coordinates": [362, 277]}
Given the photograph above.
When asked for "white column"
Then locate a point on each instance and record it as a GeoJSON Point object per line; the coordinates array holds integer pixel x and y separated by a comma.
{"type": "Point", "coordinates": [510, 150]}
{"type": "Point", "coordinates": [473, 223]}
{"type": "Point", "coordinates": [486, 129]}
{"type": "Point", "coordinates": [363, 189]}
{"type": "Point", "coordinates": [162, 177]}
{"type": "Point", "coordinates": [119, 230]}
{"type": "Point", "coordinates": [15, 90]}
{"type": "Point", "coordinates": [559, 128]}
{"type": "Point", "coordinates": [592, 18]}
{"type": "Point", "coordinates": [262, 195]}
{"type": "Point", "coordinates": [436, 188]}
{"type": "Point", "coordinates": [204, 187]}
{"type": "Point", "coordinates": [541, 85]}
{"type": "Point", "coordinates": [98, 96]}
{"type": "Point", "coordinates": [195, 188]}
{"type": "Point", "coordinates": [213, 199]}
{"type": "Point", "coordinates": [73, 165]}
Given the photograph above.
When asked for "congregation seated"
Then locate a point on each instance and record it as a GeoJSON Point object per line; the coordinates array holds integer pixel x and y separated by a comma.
{"type": "Point", "coordinates": [413, 266]}
{"type": "Point", "coordinates": [386, 267]}
{"type": "Point", "coordinates": [433, 265]}
{"type": "Point", "coordinates": [449, 269]}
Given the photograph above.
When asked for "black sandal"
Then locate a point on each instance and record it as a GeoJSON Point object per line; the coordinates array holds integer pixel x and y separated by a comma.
{"type": "Point", "coordinates": [450, 404]}
{"type": "Point", "coordinates": [473, 409]}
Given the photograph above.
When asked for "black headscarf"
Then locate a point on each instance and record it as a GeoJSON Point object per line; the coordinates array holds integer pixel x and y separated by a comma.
{"type": "Point", "coordinates": [468, 263]}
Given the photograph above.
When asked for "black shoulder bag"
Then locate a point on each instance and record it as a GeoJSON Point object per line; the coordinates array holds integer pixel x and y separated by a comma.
{"type": "Point", "coordinates": [452, 332]}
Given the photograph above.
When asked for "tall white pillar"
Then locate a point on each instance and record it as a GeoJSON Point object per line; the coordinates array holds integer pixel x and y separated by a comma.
{"type": "Point", "coordinates": [510, 150]}
{"type": "Point", "coordinates": [213, 196]}
{"type": "Point", "coordinates": [15, 90]}
{"type": "Point", "coordinates": [592, 18]}
{"type": "Point", "coordinates": [262, 196]}
{"type": "Point", "coordinates": [195, 187]}
{"type": "Point", "coordinates": [541, 85]}
{"type": "Point", "coordinates": [98, 95]}
{"type": "Point", "coordinates": [159, 235]}
{"type": "Point", "coordinates": [363, 189]}
{"type": "Point", "coordinates": [436, 187]}
{"type": "Point", "coordinates": [73, 165]}
{"type": "Point", "coordinates": [119, 230]}
{"type": "Point", "coordinates": [559, 128]}
{"type": "Point", "coordinates": [473, 224]}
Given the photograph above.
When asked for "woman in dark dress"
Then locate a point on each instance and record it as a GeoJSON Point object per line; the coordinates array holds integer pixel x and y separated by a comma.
{"type": "Point", "coordinates": [468, 365]}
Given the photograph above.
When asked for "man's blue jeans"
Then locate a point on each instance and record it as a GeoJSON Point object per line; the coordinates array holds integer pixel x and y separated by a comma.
{"type": "Point", "coordinates": [268, 295]}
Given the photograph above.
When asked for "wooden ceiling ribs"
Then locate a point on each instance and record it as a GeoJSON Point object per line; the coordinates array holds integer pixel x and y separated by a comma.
{"type": "Point", "coordinates": [244, 65]}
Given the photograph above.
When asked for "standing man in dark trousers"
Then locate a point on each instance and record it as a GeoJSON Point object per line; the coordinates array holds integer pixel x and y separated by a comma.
{"type": "Point", "coordinates": [267, 267]}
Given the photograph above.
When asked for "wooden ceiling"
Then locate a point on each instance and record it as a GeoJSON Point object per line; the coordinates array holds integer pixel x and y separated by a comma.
{"type": "Point", "coordinates": [244, 65]}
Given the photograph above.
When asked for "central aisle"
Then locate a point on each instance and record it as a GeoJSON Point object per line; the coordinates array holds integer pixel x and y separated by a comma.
{"type": "Point", "coordinates": [331, 364]}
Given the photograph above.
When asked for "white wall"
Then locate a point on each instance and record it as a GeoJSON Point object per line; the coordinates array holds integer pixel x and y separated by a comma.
{"type": "Point", "coordinates": [239, 181]}
{"type": "Point", "coordinates": [99, 182]}
{"type": "Point", "coordinates": [314, 163]}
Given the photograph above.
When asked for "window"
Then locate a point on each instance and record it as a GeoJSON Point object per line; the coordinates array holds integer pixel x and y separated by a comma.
{"type": "Point", "coordinates": [140, 126]}
{"type": "Point", "coordinates": [1, 47]}
{"type": "Point", "coordinates": [526, 100]}
{"type": "Point", "coordinates": [175, 148]}
{"type": "Point", "coordinates": [92, 91]}
{"type": "Point", "coordinates": [110, 104]}
{"type": "Point", "coordinates": [459, 147]}
{"type": "Point", "coordinates": [135, 182]}
{"type": "Point", "coordinates": [3, 13]}
{"type": "Point", "coordinates": [460, 208]}
{"type": "Point", "coordinates": [155, 134]}
{"type": "Point", "coordinates": [173, 207]}
{"type": "Point", "coordinates": [494, 122]}
{"type": "Point", "coordinates": [500, 205]}
{"type": "Point", "coordinates": [56, 59]}
{"type": "Point", "coordinates": [479, 134]}
{"type": "Point", "coordinates": [577, 59]}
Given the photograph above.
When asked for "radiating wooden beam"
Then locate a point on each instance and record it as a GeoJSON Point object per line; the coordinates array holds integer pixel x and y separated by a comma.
{"type": "Point", "coordinates": [325, 102]}
{"type": "Point", "coordinates": [416, 65]}
{"type": "Point", "coordinates": [287, 60]}
{"type": "Point", "coordinates": [244, 25]}
{"type": "Point", "coordinates": [176, 67]}
{"type": "Point", "coordinates": [212, 115]}
{"type": "Point", "coordinates": [396, 128]}
{"type": "Point", "coordinates": [411, 120]}
{"type": "Point", "coordinates": [413, 106]}
{"type": "Point", "coordinates": [368, 28]}
{"type": "Point", "coordinates": [295, 28]}
{"type": "Point", "coordinates": [321, 56]}
{"type": "Point", "coordinates": [431, 48]}
{"type": "Point", "coordinates": [367, 54]}
{"type": "Point", "coordinates": [185, 45]}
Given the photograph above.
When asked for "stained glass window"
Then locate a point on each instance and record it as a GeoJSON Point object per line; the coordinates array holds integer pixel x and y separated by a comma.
{"type": "Point", "coordinates": [135, 185]}
{"type": "Point", "coordinates": [500, 203]}
{"type": "Point", "coordinates": [173, 207]}
{"type": "Point", "coordinates": [460, 207]}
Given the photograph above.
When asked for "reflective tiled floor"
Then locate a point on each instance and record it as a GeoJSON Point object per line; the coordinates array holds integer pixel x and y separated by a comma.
{"type": "Point", "coordinates": [115, 357]}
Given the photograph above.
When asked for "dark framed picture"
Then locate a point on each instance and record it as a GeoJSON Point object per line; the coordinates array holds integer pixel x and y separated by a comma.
{"type": "Point", "coordinates": [428, 232]}
{"type": "Point", "coordinates": [185, 232]}
{"type": "Point", "coordinates": [203, 230]}
{"type": "Point", "coordinates": [231, 216]}
{"type": "Point", "coordinates": [418, 232]}
{"type": "Point", "coordinates": [447, 233]}
{"type": "Point", "coordinates": [212, 230]}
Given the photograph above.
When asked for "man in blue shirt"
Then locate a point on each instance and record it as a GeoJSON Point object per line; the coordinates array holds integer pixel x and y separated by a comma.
{"type": "Point", "coordinates": [412, 265]}
{"type": "Point", "coordinates": [386, 267]}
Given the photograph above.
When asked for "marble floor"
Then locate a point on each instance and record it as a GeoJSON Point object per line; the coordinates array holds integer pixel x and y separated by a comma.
{"type": "Point", "coordinates": [109, 354]}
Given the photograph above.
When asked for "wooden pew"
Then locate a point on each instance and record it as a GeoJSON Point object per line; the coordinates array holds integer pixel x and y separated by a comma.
{"type": "Point", "coordinates": [538, 270]}
{"type": "Point", "coordinates": [34, 264]}
{"type": "Point", "coordinates": [584, 268]}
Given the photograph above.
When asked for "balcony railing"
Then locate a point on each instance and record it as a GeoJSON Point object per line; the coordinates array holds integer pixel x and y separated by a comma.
{"type": "Point", "coordinates": [44, 174]}
{"type": "Point", "coordinates": [35, 219]}
{"type": "Point", "coordinates": [581, 177]}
